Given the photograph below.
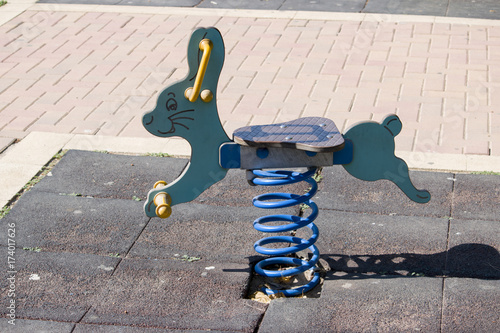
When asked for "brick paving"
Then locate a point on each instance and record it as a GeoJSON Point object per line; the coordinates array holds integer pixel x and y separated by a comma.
{"type": "Point", "coordinates": [96, 73]}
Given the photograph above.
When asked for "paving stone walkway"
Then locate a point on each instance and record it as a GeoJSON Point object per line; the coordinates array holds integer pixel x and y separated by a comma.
{"type": "Point", "coordinates": [96, 70]}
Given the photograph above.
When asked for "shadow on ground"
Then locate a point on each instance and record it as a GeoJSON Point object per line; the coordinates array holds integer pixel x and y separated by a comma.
{"type": "Point", "coordinates": [465, 261]}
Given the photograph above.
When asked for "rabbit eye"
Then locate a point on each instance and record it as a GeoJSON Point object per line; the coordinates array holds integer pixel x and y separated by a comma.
{"type": "Point", "coordinates": [171, 104]}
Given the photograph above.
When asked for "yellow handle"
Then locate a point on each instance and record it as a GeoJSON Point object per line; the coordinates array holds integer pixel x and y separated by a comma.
{"type": "Point", "coordinates": [162, 201]}
{"type": "Point", "coordinates": [192, 93]}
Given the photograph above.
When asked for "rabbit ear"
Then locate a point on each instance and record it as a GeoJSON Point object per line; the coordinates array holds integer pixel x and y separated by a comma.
{"type": "Point", "coordinates": [215, 60]}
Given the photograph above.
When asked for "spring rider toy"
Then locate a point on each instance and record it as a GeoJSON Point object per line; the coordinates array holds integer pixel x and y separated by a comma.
{"type": "Point", "coordinates": [188, 109]}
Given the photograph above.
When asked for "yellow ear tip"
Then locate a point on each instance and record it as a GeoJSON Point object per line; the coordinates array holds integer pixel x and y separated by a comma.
{"type": "Point", "coordinates": [205, 43]}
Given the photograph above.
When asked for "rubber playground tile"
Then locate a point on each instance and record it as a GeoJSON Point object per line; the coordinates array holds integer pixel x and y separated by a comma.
{"type": "Point", "coordinates": [82, 2]}
{"type": "Point", "coordinates": [486, 9]}
{"type": "Point", "coordinates": [471, 305]}
{"type": "Point", "coordinates": [234, 190]}
{"type": "Point", "coordinates": [61, 223]}
{"type": "Point", "coordinates": [351, 6]}
{"type": "Point", "coordinates": [175, 294]}
{"type": "Point", "coordinates": [238, 4]}
{"type": "Point", "coordinates": [299, 315]}
{"type": "Point", "coordinates": [379, 305]}
{"type": "Point", "coordinates": [219, 234]}
{"type": "Point", "coordinates": [340, 191]}
{"type": "Point", "coordinates": [160, 3]}
{"type": "Point", "coordinates": [407, 7]}
{"type": "Point", "coordinates": [110, 175]}
{"type": "Point", "coordinates": [319, 5]}
{"type": "Point", "coordinates": [122, 176]}
{"type": "Point", "coordinates": [474, 249]}
{"type": "Point", "coordinates": [477, 197]}
{"type": "Point", "coordinates": [26, 325]}
{"type": "Point", "coordinates": [368, 244]}
{"type": "Point", "coordinates": [385, 304]}
{"type": "Point", "coordinates": [57, 286]}
{"type": "Point", "coordinates": [92, 328]}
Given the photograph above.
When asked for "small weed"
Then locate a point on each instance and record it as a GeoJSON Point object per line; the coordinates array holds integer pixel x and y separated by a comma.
{"type": "Point", "coordinates": [159, 154]}
{"type": "Point", "coordinates": [74, 195]}
{"type": "Point", "coordinates": [189, 259]}
{"type": "Point", "coordinates": [136, 198]}
{"type": "Point", "coordinates": [3, 2]}
{"type": "Point", "coordinates": [318, 177]}
{"type": "Point", "coordinates": [114, 255]}
{"type": "Point", "coordinates": [59, 155]}
{"type": "Point", "coordinates": [32, 249]}
{"type": "Point", "coordinates": [4, 211]}
{"type": "Point", "coordinates": [101, 151]}
{"type": "Point", "coordinates": [417, 274]}
{"type": "Point", "coordinates": [304, 206]}
{"type": "Point", "coordinates": [485, 173]}
{"type": "Point", "coordinates": [31, 183]}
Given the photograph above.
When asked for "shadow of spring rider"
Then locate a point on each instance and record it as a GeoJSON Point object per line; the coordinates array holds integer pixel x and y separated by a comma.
{"type": "Point", "coordinates": [188, 109]}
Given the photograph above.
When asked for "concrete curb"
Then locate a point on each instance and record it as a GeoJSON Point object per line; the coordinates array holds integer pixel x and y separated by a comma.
{"type": "Point", "coordinates": [14, 8]}
{"type": "Point", "coordinates": [22, 161]}
{"type": "Point", "coordinates": [255, 13]}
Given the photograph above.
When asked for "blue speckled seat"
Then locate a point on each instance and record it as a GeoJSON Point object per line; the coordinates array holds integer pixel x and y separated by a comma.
{"type": "Point", "coordinates": [314, 134]}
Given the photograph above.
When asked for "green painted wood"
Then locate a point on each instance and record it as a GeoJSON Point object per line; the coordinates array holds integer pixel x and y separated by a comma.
{"type": "Point", "coordinates": [197, 122]}
{"type": "Point", "coordinates": [374, 158]}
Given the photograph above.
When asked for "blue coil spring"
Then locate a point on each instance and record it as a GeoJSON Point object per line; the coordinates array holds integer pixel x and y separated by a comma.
{"type": "Point", "coordinates": [282, 200]}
